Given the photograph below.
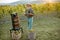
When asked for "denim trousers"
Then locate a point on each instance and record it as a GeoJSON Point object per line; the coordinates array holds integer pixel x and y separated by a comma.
{"type": "Point", "coordinates": [30, 23]}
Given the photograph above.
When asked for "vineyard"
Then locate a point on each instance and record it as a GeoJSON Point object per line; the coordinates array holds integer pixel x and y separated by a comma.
{"type": "Point", "coordinates": [38, 8]}
{"type": "Point", "coordinates": [46, 20]}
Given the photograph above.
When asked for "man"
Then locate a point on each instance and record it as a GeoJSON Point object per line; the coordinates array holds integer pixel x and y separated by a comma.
{"type": "Point", "coordinates": [29, 14]}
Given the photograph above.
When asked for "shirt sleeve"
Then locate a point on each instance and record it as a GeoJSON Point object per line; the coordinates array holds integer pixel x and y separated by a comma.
{"type": "Point", "coordinates": [26, 11]}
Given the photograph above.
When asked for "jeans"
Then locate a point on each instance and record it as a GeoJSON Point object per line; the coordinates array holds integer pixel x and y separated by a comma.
{"type": "Point", "coordinates": [30, 23]}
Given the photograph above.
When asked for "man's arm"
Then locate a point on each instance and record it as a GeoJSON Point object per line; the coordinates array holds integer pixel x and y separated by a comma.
{"type": "Point", "coordinates": [25, 13]}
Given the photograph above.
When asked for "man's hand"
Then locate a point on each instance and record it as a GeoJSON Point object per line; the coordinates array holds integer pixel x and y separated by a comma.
{"type": "Point", "coordinates": [30, 14]}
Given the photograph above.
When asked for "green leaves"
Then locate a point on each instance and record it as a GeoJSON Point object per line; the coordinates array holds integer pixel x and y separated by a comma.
{"type": "Point", "coordinates": [38, 8]}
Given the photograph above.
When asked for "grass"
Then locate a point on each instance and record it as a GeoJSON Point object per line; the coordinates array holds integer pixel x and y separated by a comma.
{"type": "Point", "coordinates": [46, 28]}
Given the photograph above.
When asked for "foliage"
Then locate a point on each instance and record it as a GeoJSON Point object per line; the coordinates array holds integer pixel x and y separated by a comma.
{"type": "Point", "coordinates": [38, 8]}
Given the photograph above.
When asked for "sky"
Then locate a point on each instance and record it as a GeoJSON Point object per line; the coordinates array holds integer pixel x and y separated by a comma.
{"type": "Point", "coordinates": [11, 1]}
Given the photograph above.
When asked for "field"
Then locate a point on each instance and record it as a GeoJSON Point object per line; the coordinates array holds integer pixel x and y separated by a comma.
{"type": "Point", "coordinates": [46, 21]}
{"type": "Point", "coordinates": [45, 27]}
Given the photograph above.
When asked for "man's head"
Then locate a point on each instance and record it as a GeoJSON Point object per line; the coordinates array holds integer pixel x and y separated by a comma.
{"type": "Point", "coordinates": [28, 6]}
